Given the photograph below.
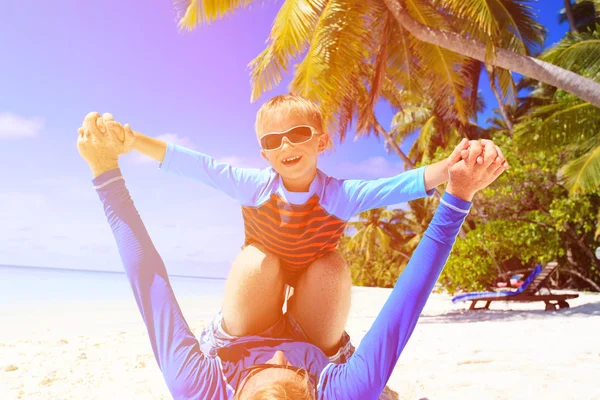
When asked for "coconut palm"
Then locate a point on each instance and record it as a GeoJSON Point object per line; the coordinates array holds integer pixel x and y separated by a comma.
{"type": "Point", "coordinates": [355, 52]}
{"type": "Point", "coordinates": [435, 128]}
{"type": "Point", "coordinates": [410, 226]}
{"type": "Point", "coordinates": [568, 120]}
{"type": "Point", "coordinates": [371, 231]}
{"type": "Point", "coordinates": [582, 15]}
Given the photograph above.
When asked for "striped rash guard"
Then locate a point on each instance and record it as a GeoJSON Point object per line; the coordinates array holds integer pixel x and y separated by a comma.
{"type": "Point", "coordinates": [298, 227]}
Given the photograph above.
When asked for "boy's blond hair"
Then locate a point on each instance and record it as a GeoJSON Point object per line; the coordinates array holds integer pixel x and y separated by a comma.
{"type": "Point", "coordinates": [288, 104]}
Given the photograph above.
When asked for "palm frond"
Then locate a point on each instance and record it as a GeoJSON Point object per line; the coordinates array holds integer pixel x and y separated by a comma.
{"type": "Point", "coordinates": [583, 173]}
{"type": "Point", "coordinates": [568, 121]}
{"type": "Point", "coordinates": [330, 69]}
{"type": "Point", "coordinates": [577, 52]}
{"type": "Point", "coordinates": [289, 38]}
{"type": "Point", "coordinates": [366, 117]}
{"type": "Point", "coordinates": [447, 84]}
{"type": "Point", "coordinates": [409, 120]}
{"type": "Point", "coordinates": [403, 62]}
{"type": "Point", "coordinates": [192, 13]}
{"type": "Point", "coordinates": [509, 24]}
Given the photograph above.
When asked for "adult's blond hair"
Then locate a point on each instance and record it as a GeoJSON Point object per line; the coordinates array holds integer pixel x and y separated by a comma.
{"type": "Point", "coordinates": [289, 104]}
{"type": "Point", "coordinates": [285, 389]}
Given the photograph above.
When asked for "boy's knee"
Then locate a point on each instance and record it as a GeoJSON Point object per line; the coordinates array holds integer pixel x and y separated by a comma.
{"type": "Point", "coordinates": [256, 256]}
{"type": "Point", "coordinates": [332, 265]}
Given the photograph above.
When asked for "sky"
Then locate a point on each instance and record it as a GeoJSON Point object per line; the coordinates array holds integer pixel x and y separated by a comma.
{"type": "Point", "coordinates": [60, 60]}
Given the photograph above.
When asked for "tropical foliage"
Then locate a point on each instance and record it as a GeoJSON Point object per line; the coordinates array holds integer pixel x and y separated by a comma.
{"type": "Point", "coordinates": [349, 55]}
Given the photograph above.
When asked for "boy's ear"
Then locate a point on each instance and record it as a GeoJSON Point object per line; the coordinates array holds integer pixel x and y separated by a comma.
{"type": "Point", "coordinates": [323, 141]}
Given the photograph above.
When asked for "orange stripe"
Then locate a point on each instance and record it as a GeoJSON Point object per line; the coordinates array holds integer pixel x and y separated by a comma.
{"type": "Point", "coordinates": [289, 225]}
{"type": "Point", "coordinates": [314, 256]}
{"type": "Point", "coordinates": [258, 233]}
{"type": "Point", "coordinates": [296, 247]}
{"type": "Point", "coordinates": [294, 236]}
{"type": "Point", "coordinates": [275, 247]}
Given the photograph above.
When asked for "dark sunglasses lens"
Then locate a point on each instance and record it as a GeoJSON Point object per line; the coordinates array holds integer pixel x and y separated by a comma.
{"type": "Point", "coordinates": [270, 142]}
{"type": "Point", "coordinates": [299, 134]}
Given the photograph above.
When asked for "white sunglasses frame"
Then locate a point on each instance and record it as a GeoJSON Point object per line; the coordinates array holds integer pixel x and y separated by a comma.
{"type": "Point", "coordinates": [312, 129]}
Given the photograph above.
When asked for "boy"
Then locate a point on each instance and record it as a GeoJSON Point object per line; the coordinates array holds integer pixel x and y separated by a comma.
{"type": "Point", "coordinates": [294, 215]}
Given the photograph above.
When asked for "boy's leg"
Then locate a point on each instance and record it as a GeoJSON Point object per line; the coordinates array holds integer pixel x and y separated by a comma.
{"type": "Point", "coordinates": [321, 301]}
{"type": "Point", "coordinates": [254, 292]}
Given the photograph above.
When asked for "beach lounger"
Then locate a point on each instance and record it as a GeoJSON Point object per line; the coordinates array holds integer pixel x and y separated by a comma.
{"type": "Point", "coordinates": [529, 291]}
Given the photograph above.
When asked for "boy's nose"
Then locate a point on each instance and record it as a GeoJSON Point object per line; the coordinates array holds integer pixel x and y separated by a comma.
{"type": "Point", "coordinates": [286, 142]}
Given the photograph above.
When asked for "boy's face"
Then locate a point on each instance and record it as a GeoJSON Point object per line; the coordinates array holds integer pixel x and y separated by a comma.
{"type": "Point", "coordinates": [294, 162]}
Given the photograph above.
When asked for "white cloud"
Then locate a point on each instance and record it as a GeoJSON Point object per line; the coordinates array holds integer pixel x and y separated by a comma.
{"type": "Point", "coordinates": [13, 126]}
{"type": "Point", "coordinates": [373, 167]}
{"type": "Point", "coordinates": [138, 158]}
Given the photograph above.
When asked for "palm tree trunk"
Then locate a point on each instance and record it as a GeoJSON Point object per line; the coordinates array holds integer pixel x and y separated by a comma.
{"type": "Point", "coordinates": [507, 121]}
{"type": "Point", "coordinates": [408, 164]}
{"type": "Point", "coordinates": [569, 11]}
{"type": "Point", "coordinates": [584, 88]}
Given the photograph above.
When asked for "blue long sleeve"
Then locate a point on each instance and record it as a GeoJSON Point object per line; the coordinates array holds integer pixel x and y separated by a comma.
{"type": "Point", "coordinates": [365, 375]}
{"type": "Point", "coordinates": [187, 372]}
{"type": "Point", "coordinates": [242, 184]}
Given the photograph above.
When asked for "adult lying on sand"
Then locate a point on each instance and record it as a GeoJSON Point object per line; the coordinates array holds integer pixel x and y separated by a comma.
{"type": "Point", "coordinates": [282, 365]}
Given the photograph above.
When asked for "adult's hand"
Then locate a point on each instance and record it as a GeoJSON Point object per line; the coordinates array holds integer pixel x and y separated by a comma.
{"type": "Point", "coordinates": [467, 176]}
{"type": "Point", "coordinates": [101, 141]}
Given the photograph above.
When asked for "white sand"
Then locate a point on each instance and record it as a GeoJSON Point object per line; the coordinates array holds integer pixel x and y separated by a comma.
{"type": "Point", "coordinates": [94, 351]}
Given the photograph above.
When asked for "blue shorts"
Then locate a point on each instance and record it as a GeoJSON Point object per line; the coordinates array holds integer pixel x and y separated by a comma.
{"type": "Point", "coordinates": [214, 337]}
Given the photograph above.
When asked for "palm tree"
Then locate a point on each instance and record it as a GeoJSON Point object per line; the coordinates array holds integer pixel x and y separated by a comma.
{"type": "Point", "coordinates": [582, 15]}
{"type": "Point", "coordinates": [372, 231]}
{"type": "Point", "coordinates": [568, 81]}
{"type": "Point", "coordinates": [356, 52]}
{"type": "Point", "coordinates": [567, 120]}
{"type": "Point", "coordinates": [435, 127]}
{"type": "Point", "coordinates": [410, 226]}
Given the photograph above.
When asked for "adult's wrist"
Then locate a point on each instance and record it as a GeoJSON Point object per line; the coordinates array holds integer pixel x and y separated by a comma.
{"type": "Point", "coordinates": [461, 193]}
{"type": "Point", "coordinates": [100, 168]}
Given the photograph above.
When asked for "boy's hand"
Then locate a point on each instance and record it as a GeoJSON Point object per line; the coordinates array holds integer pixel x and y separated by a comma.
{"type": "Point", "coordinates": [461, 152]}
{"type": "Point", "coordinates": [468, 176]}
{"type": "Point", "coordinates": [101, 141]}
{"type": "Point", "coordinates": [106, 123]}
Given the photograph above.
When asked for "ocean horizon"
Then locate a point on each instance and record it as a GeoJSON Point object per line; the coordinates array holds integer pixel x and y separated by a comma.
{"type": "Point", "coordinates": [30, 285]}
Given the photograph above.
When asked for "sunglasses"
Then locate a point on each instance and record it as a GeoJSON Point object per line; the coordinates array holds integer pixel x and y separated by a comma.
{"type": "Point", "coordinates": [254, 369]}
{"type": "Point", "coordinates": [296, 135]}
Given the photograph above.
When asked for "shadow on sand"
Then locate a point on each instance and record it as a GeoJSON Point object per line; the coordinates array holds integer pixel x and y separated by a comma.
{"type": "Point", "coordinates": [467, 316]}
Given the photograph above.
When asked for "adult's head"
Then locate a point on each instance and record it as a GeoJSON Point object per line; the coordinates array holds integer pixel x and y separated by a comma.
{"type": "Point", "coordinates": [277, 379]}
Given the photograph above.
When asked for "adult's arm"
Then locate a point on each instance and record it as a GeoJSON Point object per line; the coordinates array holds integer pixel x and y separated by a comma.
{"type": "Point", "coordinates": [188, 373]}
{"type": "Point", "coordinates": [366, 373]}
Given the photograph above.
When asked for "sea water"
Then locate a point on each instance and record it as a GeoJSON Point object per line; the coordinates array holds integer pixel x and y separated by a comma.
{"type": "Point", "coordinates": [32, 286]}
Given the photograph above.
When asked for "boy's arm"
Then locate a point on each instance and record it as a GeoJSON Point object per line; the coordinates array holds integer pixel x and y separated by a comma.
{"type": "Point", "coordinates": [242, 184]}
{"type": "Point", "coordinates": [188, 373]}
{"type": "Point", "coordinates": [149, 146]}
{"type": "Point", "coordinates": [436, 174]}
{"type": "Point", "coordinates": [366, 373]}
{"type": "Point", "coordinates": [362, 195]}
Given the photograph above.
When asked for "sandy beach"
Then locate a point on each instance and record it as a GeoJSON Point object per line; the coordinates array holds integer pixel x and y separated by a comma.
{"type": "Point", "coordinates": [101, 351]}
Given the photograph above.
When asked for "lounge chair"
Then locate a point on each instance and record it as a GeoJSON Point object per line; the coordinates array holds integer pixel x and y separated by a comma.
{"type": "Point", "coordinates": [528, 292]}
